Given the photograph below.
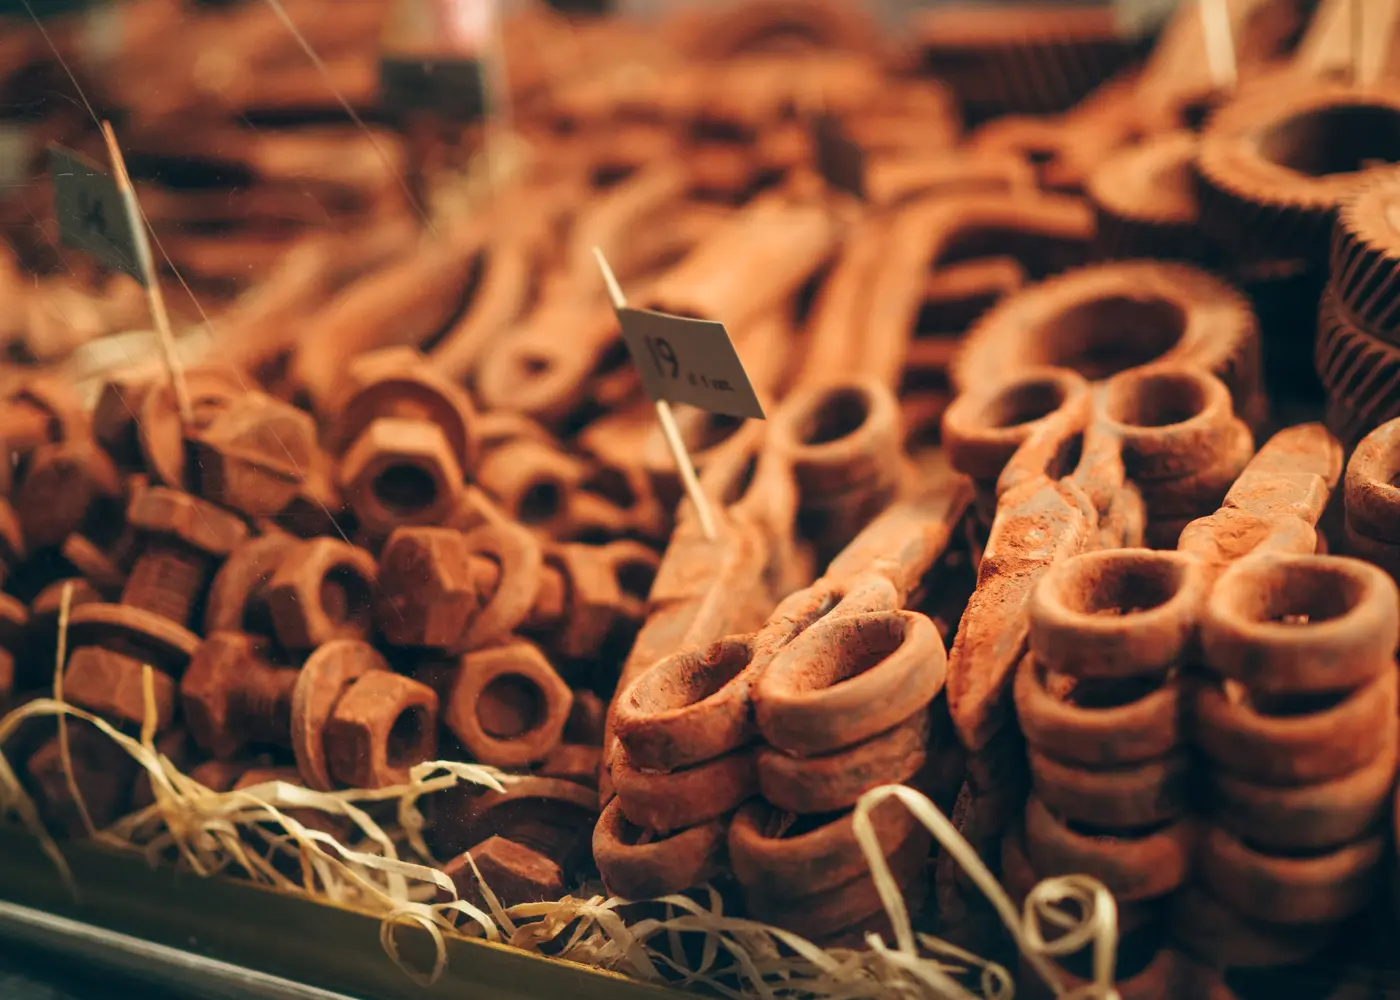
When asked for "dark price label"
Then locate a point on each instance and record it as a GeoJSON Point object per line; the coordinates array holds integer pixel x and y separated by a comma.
{"type": "Point", "coordinates": [839, 160]}
{"type": "Point", "coordinates": [91, 212]}
{"type": "Point", "coordinates": [452, 87]}
{"type": "Point", "coordinates": [689, 361]}
{"type": "Point", "coordinates": [593, 8]}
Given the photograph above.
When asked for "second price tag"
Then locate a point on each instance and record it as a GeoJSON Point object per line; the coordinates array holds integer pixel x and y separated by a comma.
{"type": "Point", "coordinates": [689, 361]}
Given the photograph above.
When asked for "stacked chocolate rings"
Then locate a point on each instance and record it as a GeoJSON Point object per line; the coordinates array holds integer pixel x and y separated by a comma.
{"type": "Point", "coordinates": [1358, 333]}
{"type": "Point", "coordinates": [1097, 697]}
{"type": "Point", "coordinates": [1297, 716]}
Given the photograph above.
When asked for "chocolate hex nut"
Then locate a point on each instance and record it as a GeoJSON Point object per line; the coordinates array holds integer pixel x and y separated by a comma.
{"type": "Point", "coordinates": [380, 728]}
{"type": "Point", "coordinates": [507, 705]}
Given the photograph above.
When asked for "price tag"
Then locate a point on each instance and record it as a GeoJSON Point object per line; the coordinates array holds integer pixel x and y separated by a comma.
{"type": "Point", "coordinates": [595, 8]}
{"type": "Point", "coordinates": [839, 160]}
{"type": "Point", "coordinates": [92, 215]}
{"type": "Point", "coordinates": [16, 148]}
{"type": "Point", "coordinates": [689, 361]}
{"type": "Point", "coordinates": [1139, 18]}
{"type": "Point", "coordinates": [454, 88]}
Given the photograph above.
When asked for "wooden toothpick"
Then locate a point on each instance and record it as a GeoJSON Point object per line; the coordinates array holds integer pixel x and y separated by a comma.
{"type": "Point", "coordinates": [679, 452]}
{"type": "Point", "coordinates": [154, 297]}
{"type": "Point", "coordinates": [1220, 43]}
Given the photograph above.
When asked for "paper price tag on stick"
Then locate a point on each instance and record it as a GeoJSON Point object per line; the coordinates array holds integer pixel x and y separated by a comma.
{"type": "Point", "coordinates": [16, 146]}
{"type": "Point", "coordinates": [839, 160]}
{"type": "Point", "coordinates": [92, 215]}
{"type": "Point", "coordinates": [689, 361]}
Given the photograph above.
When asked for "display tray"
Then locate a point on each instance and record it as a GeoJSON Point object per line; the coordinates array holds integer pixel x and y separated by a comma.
{"type": "Point", "coordinates": [237, 922]}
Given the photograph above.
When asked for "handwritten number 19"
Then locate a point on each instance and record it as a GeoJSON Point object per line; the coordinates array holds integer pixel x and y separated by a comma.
{"type": "Point", "coordinates": [663, 355]}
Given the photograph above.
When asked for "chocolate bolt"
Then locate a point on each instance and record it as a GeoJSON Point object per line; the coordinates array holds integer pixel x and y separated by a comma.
{"type": "Point", "coordinates": [356, 722]}
{"type": "Point", "coordinates": [406, 441]}
{"type": "Point", "coordinates": [254, 454]}
{"type": "Point", "coordinates": [65, 485]}
{"type": "Point", "coordinates": [113, 643]}
{"type": "Point", "coordinates": [233, 696]}
{"type": "Point", "coordinates": [442, 589]}
{"type": "Point", "coordinates": [184, 538]}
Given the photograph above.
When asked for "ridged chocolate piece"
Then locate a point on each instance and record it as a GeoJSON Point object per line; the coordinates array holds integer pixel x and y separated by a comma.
{"type": "Point", "coordinates": [1146, 202]}
{"type": "Point", "coordinates": [1366, 257]}
{"type": "Point", "coordinates": [1276, 164]}
{"type": "Point", "coordinates": [1075, 320]}
{"type": "Point", "coordinates": [1027, 59]}
{"type": "Point", "coordinates": [1361, 373]}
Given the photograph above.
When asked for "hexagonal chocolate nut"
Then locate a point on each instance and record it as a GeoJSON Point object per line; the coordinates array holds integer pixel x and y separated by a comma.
{"type": "Point", "coordinates": [196, 522]}
{"type": "Point", "coordinates": [380, 728]}
{"type": "Point", "coordinates": [254, 455]}
{"type": "Point", "coordinates": [320, 592]}
{"type": "Point", "coordinates": [109, 683]}
{"type": "Point", "coordinates": [400, 472]}
{"type": "Point", "coordinates": [426, 594]}
{"type": "Point", "coordinates": [514, 874]}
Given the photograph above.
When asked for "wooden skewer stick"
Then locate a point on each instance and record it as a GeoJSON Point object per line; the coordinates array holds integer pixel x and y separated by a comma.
{"type": "Point", "coordinates": [500, 118]}
{"type": "Point", "coordinates": [154, 297]}
{"type": "Point", "coordinates": [1358, 24]}
{"type": "Point", "coordinates": [684, 464]}
{"type": "Point", "coordinates": [1220, 43]}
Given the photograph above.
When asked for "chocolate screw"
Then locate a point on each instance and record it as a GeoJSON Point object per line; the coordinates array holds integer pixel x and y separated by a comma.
{"type": "Point", "coordinates": [233, 696]}
{"type": "Point", "coordinates": [185, 535]}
